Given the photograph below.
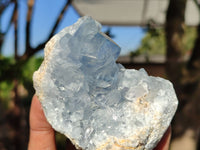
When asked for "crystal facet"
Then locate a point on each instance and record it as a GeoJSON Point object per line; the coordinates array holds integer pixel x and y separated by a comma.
{"type": "Point", "coordinates": [96, 103]}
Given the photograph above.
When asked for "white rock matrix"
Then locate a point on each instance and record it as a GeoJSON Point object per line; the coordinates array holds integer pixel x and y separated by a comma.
{"type": "Point", "coordinates": [96, 103]}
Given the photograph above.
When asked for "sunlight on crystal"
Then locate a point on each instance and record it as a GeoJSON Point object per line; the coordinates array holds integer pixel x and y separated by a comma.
{"type": "Point", "coordinates": [95, 102]}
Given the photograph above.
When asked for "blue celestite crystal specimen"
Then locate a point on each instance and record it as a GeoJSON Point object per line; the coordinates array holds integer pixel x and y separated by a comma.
{"type": "Point", "coordinates": [95, 102]}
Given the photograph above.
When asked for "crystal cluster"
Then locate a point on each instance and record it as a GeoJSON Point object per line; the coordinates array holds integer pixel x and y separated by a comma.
{"type": "Point", "coordinates": [96, 103]}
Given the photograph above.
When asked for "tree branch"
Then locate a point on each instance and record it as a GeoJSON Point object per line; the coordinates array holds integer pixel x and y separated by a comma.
{"type": "Point", "coordinates": [4, 5]}
{"type": "Point", "coordinates": [175, 18]}
{"type": "Point", "coordinates": [15, 20]}
{"type": "Point", "coordinates": [31, 51]}
{"type": "Point", "coordinates": [11, 20]}
{"type": "Point", "coordinates": [3, 33]}
{"type": "Point", "coordinates": [174, 30]}
{"type": "Point", "coordinates": [194, 61]}
{"type": "Point", "coordinates": [28, 23]}
{"type": "Point", "coordinates": [59, 18]}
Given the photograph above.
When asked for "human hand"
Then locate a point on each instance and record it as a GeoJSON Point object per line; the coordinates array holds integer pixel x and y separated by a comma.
{"type": "Point", "coordinates": [42, 136]}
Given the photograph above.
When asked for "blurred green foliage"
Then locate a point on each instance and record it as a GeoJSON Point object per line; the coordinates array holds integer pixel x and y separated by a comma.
{"type": "Point", "coordinates": [29, 67]}
{"type": "Point", "coordinates": [189, 38]}
{"type": "Point", "coordinates": [154, 41]}
{"type": "Point", "coordinates": [23, 72]}
{"type": "Point", "coordinates": [5, 94]}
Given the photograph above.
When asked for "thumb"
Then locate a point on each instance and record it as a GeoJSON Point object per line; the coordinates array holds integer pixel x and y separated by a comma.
{"type": "Point", "coordinates": [42, 136]}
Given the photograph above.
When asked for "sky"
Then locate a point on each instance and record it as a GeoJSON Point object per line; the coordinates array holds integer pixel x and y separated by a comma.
{"type": "Point", "coordinates": [46, 12]}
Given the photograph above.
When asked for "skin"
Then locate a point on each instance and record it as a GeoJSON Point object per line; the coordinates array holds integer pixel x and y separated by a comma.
{"type": "Point", "coordinates": [42, 135]}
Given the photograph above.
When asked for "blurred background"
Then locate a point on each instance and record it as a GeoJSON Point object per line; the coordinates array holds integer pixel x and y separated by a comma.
{"type": "Point", "coordinates": [162, 36]}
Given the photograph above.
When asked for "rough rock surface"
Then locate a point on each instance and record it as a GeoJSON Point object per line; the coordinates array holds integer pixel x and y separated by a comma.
{"type": "Point", "coordinates": [95, 102]}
